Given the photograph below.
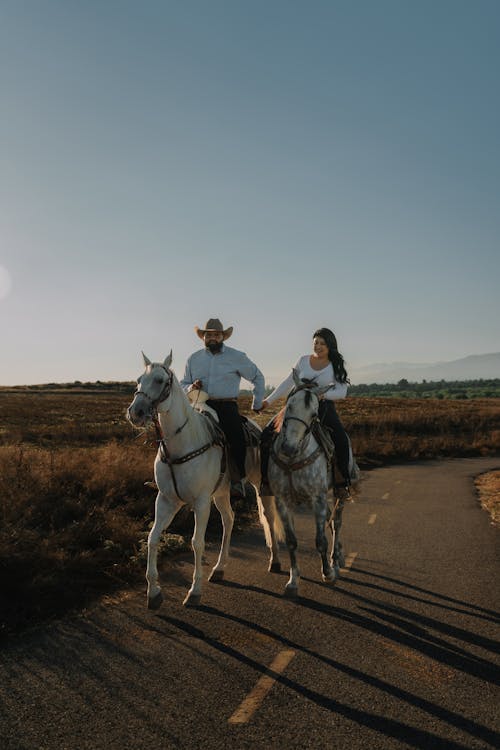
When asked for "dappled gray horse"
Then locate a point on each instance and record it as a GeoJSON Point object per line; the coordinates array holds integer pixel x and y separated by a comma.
{"type": "Point", "coordinates": [189, 470]}
{"type": "Point", "coordinates": [300, 472]}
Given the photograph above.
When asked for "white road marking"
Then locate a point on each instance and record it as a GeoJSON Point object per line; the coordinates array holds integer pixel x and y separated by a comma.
{"type": "Point", "coordinates": [386, 496]}
{"type": "Point", "coordinates": [372, 518]}
{"type": "Point", "coordinates": [349, 560]}
{"type": "Point", "coordinates": [256, 696]}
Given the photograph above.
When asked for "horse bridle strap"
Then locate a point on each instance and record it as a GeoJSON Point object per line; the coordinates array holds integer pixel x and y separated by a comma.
{"type": "Point", "coordinates": [307, 425]}
{"type": "Point", "coordinates": [165, 393]}
{"type": "Point", "coordinates": [289, 467]}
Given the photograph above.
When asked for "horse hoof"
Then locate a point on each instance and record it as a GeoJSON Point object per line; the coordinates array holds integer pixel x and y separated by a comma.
{"type": "Point", "coordinates": [155, 601]}
{"type": "Point", "coordinates": [192, 600]}
{"type": "Point", "coordinates": [291, 592]}
{"type": "Point", "coordinates": [275, 567]}
{"type": "Point", "coordinates": [330, 579]}
{"type": "Point", "coordinates": [216, 576]}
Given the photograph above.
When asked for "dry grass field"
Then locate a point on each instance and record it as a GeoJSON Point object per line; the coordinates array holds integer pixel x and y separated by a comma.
{"type": "Point", "coordinates": [74, 509]}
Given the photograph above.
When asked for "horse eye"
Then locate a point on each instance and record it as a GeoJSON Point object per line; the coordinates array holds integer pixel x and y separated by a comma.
{"type": "Point", "coordinates": [159, 380]}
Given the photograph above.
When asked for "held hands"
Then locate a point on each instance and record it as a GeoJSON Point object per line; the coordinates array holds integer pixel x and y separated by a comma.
{"type": "Point", "coordinates": [264, 406]}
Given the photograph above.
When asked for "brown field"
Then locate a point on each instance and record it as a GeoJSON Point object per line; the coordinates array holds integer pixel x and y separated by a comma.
{"type": "Point", "coordinates": [74, 509]}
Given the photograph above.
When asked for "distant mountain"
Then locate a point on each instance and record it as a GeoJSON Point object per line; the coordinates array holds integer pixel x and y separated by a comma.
{"type": "Point", "coordinates": [476, 366]}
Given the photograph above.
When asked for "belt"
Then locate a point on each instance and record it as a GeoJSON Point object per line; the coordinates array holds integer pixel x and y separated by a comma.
{"type": "Point", "coordinates": [234, 400]}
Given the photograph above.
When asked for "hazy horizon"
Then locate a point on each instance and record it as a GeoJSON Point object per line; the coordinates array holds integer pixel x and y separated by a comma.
{"type": "Point", "coordinates": [357, 376]}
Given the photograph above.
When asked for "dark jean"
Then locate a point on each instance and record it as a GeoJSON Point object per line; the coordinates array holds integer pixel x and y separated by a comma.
{"type": "Point", "coordinates": [230, 423]}
{"type": "Point", "coordinates": [329, 418]}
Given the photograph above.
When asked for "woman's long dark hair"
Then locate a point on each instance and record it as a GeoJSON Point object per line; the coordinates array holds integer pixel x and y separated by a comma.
{"type": "Point", "coordinates": [334, 355]}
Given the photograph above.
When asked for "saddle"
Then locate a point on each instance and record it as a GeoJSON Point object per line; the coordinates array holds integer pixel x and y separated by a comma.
{"type": "Point", "coordinates": [216, 432]}
{"type": "Point", "coordinates": [251, 431]}
{"type": "Point", "coordinates": [323, 437]}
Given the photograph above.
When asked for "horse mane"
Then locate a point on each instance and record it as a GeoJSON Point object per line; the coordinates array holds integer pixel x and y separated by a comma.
{"type": "Point", "coordinates": [200, 421]}
{"type": "Point", "coordinates": [306, 385]}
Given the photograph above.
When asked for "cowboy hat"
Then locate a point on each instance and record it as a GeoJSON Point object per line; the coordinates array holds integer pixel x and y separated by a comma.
{"type": "Point", "coordinates": [214, 324]}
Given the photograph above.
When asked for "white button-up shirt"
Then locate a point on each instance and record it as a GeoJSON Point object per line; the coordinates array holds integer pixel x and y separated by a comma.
{"type": "Point", "coordinates": [221, 374]}
{"type": "Point", "coordinates": [322, 377]}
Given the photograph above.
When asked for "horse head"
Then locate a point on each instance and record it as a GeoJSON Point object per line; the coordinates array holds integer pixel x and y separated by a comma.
{"type": "Point", "coordinates": [301, 413]}
{"type": "Point", "coordinates": [154, 387]}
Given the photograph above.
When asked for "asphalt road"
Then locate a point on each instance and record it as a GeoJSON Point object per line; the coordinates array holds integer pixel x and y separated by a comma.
{"type": "Point", "coordinates": [403, 652]}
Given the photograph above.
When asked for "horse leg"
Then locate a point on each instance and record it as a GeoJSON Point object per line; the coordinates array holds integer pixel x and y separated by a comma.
{"type": "Point", "coordinates": [321, 515]}
{"type": "Point", "coordinates": [201, 515]}
{"type": "Point", "coordinates": [273, 530]}
{"type": "Point", "coordinates": [292, 586]}
{"type": "Point", "coordinates": [223, 505]}
{"type": "Point", "coordinates": [337, 557]}
{"type": "Point", "coordinates": [165, 510]}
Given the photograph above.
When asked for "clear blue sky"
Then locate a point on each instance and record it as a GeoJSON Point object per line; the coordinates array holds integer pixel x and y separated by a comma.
{"type": "Point", "coordinates": [281, 165]}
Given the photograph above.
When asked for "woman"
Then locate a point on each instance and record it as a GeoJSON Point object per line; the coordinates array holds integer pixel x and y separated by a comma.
{"type": "Point", "coordinates": [325, 365]}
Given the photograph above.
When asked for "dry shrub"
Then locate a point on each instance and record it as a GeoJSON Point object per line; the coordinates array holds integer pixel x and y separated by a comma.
{"type": "Point", "coordinates": [394, 429]}
{"type": "Point", "coordinates": [488, 486]}
{"type": "Point", "coordinates": [74, 511]}
{"type": "Point", "coordinates": [72, 526]}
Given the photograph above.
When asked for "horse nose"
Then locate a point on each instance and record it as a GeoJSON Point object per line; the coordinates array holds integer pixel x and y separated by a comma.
{"type": "Point", "coordinates": [135, 414]}
{"type": "Point", "coordinates": [287, 449]}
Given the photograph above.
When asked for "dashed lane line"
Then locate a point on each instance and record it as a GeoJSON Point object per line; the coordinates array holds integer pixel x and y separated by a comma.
{"type": "Point", "coordinates": [256, 696]}
{"type": "Point", "coordinates": [349, 560]}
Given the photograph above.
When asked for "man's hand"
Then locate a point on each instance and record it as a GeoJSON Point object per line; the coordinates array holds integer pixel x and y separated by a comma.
{"type": "Point", "coordinates": [261, 408]}
{"type": "Point", "coordinates": [196, 386]}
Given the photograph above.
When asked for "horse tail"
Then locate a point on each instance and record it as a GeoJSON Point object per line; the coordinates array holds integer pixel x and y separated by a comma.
{"type": "Point", "coordinates": [272, 517]}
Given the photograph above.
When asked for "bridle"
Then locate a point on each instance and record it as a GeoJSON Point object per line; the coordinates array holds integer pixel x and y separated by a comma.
{"type": "Point", "coordinates": [161, 439]}
{"type": "Point", "coordinates": [155, 402]}
{"type": "Point", "coordinates": [165, 392]}
{"type": "Point", "coordinates": [308, 425]}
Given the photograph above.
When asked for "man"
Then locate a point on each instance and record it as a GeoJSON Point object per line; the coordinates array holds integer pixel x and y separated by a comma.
{"type": "Point", "coordinates": [217, 369]}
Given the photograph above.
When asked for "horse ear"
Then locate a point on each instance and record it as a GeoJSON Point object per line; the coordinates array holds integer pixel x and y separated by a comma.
{"type": "Point", "coordinates": [296, 379]}
{"type": "Point", "coordinates": [168, 360]}
{"type": "Point", "coordinates": [146, 360]}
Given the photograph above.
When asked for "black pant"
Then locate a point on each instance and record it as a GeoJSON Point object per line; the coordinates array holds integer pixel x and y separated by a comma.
{"type": "Point", "coordinates": [329, 418]}
{"type": "Point", "coordinates": [230, 423]}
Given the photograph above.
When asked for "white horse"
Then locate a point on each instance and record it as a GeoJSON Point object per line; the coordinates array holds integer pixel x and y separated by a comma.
{"type": "Point", "coordinates": [300, 472]}
{"type": "Point", "coordinates": [189, 470]}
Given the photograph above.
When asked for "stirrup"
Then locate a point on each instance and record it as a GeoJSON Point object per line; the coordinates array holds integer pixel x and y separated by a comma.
{"type": "Point", "coordinates": [342, 491]}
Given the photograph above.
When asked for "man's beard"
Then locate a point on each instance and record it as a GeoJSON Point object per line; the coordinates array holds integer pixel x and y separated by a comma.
{"type": "Point", "coordinates": [214, 346]}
